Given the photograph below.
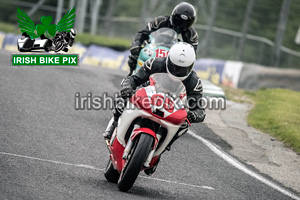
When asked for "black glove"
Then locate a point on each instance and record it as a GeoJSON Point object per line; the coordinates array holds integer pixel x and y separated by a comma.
{"type": "Point", "coordinates": [134, 54]}
{"type": "Point", "coordinates": [132, 60]}
{"type": "Point", "coordinates": [196, 116]}
{"type": "Point", "coordinates": [119, 104]}
{"type": "Point", "coordinates": [130, 73]}
{"type": "Point", "coordinates": [71, 42]}
{"type": "Point", "coordinates": [126, 92]}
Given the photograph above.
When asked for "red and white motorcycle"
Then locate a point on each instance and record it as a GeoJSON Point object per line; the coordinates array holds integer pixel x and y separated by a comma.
{"type": "Point", "coordinates": [137, 142]}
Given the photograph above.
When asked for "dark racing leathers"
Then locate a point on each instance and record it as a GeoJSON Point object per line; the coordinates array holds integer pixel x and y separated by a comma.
{"type": "Point", "coordinates": [62, 40]}
{"type": "Point", "coordinates": [192, 84]}
{"type": "Point", "coordinates": [194, 92]}
{"type": "Point", "coordinates": [189, 36]}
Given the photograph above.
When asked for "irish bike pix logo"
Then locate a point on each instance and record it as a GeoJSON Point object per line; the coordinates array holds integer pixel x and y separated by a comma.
{"type": "Point", "coordinates": [48, 42]}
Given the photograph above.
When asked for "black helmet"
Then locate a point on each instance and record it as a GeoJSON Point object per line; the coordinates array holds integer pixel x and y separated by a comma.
{"type": "Point", "coordinates": [183, 16]}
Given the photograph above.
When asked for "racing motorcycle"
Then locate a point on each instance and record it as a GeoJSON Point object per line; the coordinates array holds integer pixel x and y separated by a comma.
{"type": "Point", "coordinates": [158, 45]}
{"type": "Point", "coordinates": [154, 117]}
{"type": "Point", "coordinates": [26, 44]}
{"type": "Point", "coordinates": [62, 41]}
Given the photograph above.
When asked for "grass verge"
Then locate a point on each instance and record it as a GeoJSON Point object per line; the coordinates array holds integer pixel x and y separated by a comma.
{"type": "Point", "coordinates": [275, 111]}
{"type": "Point", "coordinates": [115, 43]}
{"type": "Point", "coordinates": [9, 28]}
{"type": "Point", "coordinates": [238, 95]}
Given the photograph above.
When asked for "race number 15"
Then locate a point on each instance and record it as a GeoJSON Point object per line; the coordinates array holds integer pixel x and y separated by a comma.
{"type": "Point", "coordinates": [161, 53]}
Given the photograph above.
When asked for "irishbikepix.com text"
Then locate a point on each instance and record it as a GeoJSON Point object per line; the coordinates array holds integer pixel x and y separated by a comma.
{"type": "Point", "coordinates": [104, 101]}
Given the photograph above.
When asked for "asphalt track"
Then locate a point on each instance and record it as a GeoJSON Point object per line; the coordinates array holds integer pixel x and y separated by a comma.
{"type": "Point", "coordinates": [49, 150]}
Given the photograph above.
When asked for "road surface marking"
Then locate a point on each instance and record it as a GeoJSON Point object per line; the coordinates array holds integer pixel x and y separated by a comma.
{"type": "Point", "coordinates": [185, 184]}
{"type": "Point", "coordinates": [52, 161]}
{"type": "Point", "coordinates": [98, 169]}
{"type": "Point", "coordinates": [232, 161]}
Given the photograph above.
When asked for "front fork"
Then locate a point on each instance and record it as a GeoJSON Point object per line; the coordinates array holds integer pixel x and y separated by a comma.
{"type": "Point", "coordinates": [150, 156]}
{"type": "Point", "coordinates": [129, 143]}
{"type": "Point", "coordinates": [182, 130]}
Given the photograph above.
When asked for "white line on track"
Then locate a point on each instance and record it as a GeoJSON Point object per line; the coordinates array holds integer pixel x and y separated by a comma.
{"type": "Point", "coordinates": [242, 167]}
{"type": "Point", "coordinates": [174, 182]}
{"type": "Point", "coordinates": [98, 169]}
{"type": "Point", "coordinates": [52, 161]}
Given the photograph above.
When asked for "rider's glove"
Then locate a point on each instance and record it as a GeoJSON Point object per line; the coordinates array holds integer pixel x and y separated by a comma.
{"type": "Point", "coordinates": [71, 42]}
{"type": "Point", "coordinates": [126, 92]}
{"type": "Point", "coordinates": [128, 86]}
{"type": "Point", "coordinates": [119, 105]}
{"type": "Point", "coordinates": [196, 116]}
{"type": "Point", "coordinates": [134, 54]}
{"type": "Point", "coordinates": [132, 60]}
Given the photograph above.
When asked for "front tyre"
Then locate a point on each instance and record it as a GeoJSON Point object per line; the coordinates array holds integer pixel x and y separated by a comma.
{"type": "Point", "coordinates": [58, 46]}
{"type": "Point", "coordinates": [110, 173]}
{"type": "Point", "coordinates": [135, 162]}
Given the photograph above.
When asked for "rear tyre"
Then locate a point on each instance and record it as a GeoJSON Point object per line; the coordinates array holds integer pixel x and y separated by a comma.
{"type": "Point", "coordinates": [135, 162]}
{"type": "Point", "coordinates": [110, 173]}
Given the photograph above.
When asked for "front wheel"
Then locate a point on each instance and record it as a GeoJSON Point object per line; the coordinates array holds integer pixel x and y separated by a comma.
{"type": "Point", "coordinates": [110, 173]}
{"type": "Point", "coordinates": [58, 46]}
{"type": "Point", "coordinates": [135, 162]}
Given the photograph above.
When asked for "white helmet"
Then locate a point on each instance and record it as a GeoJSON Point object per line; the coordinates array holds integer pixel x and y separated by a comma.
{"type": "Point", "coordinates": [73, 32]}
{"type": "Point", "coordinates": [180, 60]}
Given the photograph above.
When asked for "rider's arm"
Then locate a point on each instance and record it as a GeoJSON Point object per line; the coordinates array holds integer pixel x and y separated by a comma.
{"type": "Point", "coordinates": [151, 66]}
{"type": "Point", "coordinates": [139, 78]}
{"type": "Point", "coordinates": [141, 36]}
{"type": "Point", "coordinates": [194, 95]}
{"type": "Point", "coordinates": [190, 36]}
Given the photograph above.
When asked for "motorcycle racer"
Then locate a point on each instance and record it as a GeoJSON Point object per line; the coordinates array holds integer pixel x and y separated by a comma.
{"type": "Point", "coordinates": [63, 40]}
{"type": "Point", "coordinates": [178, 64]}
{"type": "Point", "coordinates": [181, 20]}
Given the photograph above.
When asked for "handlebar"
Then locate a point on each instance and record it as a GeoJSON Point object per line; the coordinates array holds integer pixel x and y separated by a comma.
{"type": "Point", "coordinates": [188, 122]}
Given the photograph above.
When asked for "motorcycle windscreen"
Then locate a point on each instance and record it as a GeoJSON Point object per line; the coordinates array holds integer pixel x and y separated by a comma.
{"type": "Point", "coordinates": [165, 37]}
{"type": "Point", "coordinates": [168, 85]}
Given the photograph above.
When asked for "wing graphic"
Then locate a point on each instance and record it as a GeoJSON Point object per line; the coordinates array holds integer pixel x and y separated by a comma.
{"type": "Point", "coordinates": [67, 22]}
{"type": "Point", "coordinates": [26, 24]}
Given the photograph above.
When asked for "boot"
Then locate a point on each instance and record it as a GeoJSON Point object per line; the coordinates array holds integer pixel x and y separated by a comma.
{"type": "Point", "coordinates": [108, 133]}
{"type": "Point", "coordinates": [151, 170]}
{"type": "Point", "coordinates": [179, 133]}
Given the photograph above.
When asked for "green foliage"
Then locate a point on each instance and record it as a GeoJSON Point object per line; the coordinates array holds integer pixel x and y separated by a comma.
{"type": "Point", "coordinates": [125, 7]}
{"type": "Point", "coordinates": [264, 18]}
{"type": "Point", "coordinates": [230, 14]}
{"type": "Point", "coordinates": [292, 26]}
{"type": "Point", "coordinates": [115, 43]}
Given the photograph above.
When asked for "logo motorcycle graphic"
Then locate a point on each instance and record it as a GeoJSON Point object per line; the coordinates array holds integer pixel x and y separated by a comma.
{"type": "Point", "coordinates": [53, 37]}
